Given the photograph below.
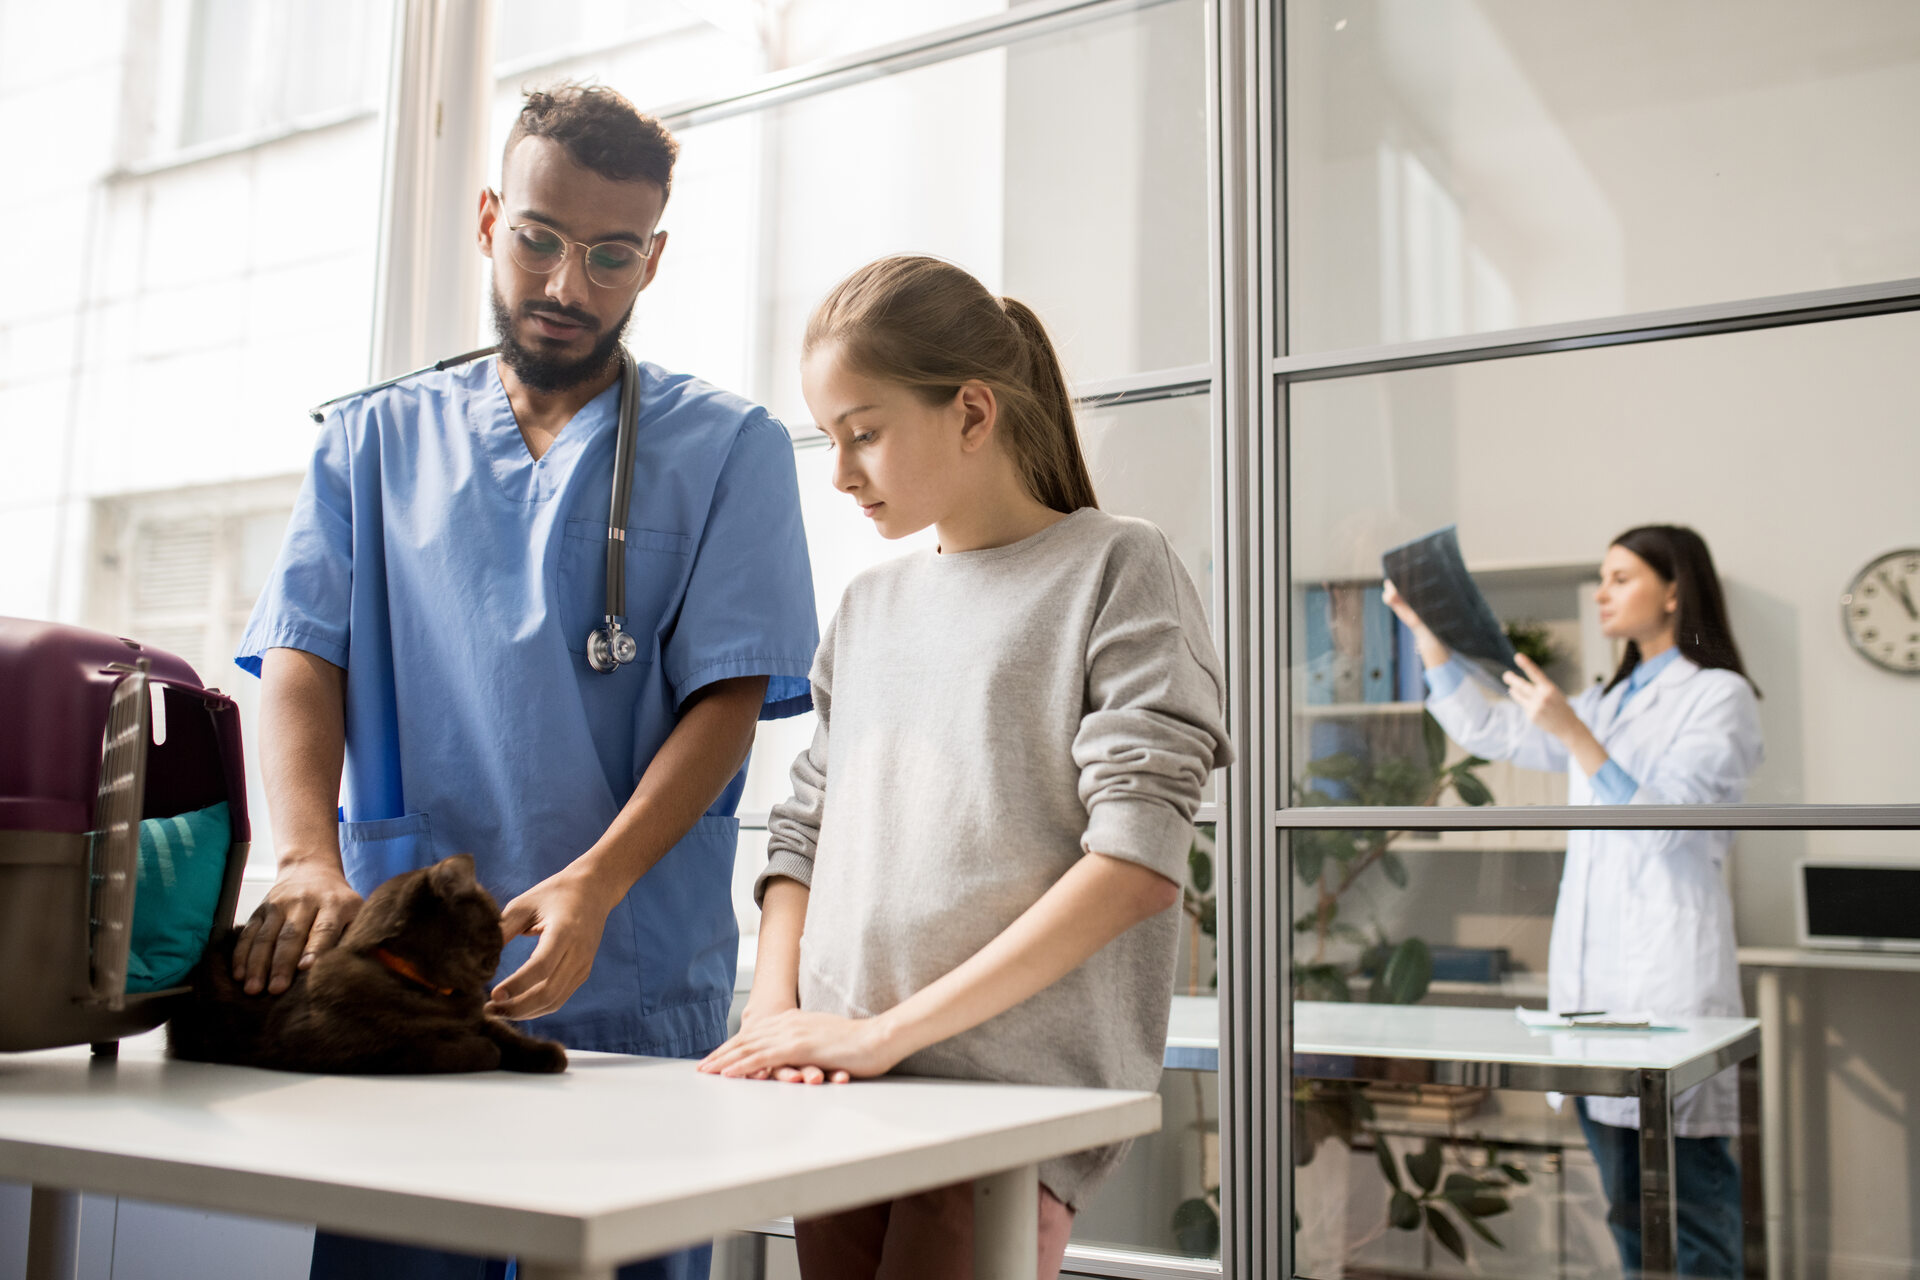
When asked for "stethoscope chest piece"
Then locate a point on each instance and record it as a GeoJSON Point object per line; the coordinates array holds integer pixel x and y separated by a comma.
{"type": "Point", "coordinates": [611, 647]}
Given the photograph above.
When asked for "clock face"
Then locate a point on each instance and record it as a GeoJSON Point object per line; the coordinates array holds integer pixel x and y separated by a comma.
{"type": "Point", "coordinates": [1882, 611]}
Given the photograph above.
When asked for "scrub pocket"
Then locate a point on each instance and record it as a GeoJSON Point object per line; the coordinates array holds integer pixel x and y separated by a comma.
{"type": "Point", "coordinates": [374, 852]}
{"type": "Point", "coordinates": [656, 564]}
{"type": "Point", "coordinates": [684, 929]}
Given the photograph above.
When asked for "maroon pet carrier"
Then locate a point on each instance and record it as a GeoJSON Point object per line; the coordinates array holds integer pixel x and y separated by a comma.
{"type": "Point", "coordinates": [78, 771]}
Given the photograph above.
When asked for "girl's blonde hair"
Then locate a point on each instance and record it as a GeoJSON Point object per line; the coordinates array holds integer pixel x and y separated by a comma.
{"type": "Point", "coordinates": [930, 326]}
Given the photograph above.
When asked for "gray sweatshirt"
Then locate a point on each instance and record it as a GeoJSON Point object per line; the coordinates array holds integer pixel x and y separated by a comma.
{"type": "Point", "coordinates": [985, 718]}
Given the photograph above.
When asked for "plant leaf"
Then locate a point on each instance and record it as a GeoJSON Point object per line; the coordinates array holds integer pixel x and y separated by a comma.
{"type": "Point", "coordinates": [1435, 739]}
{"type": "Point", "coordinates": [1471, 789]}
{"type": "Point", "coordinates": [1388, 1165]}
{"type": "Point", "coordinates": [1404, 1212]}
{"type": "Point", "coordinates": [1396, 869]}
{"type": "Point", "coordinates": [1199, 869]}
{"type": "Point", "coordinates": [1408, 972]}
{"type": "Point", "coordinates": [1515, 1174]}
{"type": "Point", "coordinates": [1323, 982]}
{"type": "Point", "coordinates": [1196, 1226]}
{"type": "Point", "coordinates": [1423, 1166]}
{"type": "Point", "coordinates": [1460, 1187]}
{"type": "Point", "coordinates": [1446, 1233]}
{"type": "Point", "coordinates": [1308, 860]}
{"type": "Point", "coordinates": [1480, 1229]}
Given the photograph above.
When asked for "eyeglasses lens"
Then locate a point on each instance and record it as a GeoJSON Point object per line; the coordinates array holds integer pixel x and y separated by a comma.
{"type": "Point", "coordinates": [611, 265]}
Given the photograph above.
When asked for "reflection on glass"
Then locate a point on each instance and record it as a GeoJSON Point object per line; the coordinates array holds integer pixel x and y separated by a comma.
{"type": "Point", "coordinates": [1084, 195]}
{"type": "Point", "coordinates": [1409, 953]}
{"type": "Point", "coordinates": [1467, 165]}
{"type": "Point", "coordinates": [1462, 933]}
{"type": "Point", "coordinates": [1790, 451]}
{"type": "Point", "coordinates": [1165, 1198]}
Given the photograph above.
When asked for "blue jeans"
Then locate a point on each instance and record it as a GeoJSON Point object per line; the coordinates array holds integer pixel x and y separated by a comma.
{"type": "Point", "coordinates": [1708, 1186]}
{"type": "Point", "coordinates": [350, 1258]}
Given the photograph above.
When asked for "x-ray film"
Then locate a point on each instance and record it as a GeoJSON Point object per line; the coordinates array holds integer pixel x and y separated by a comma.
{"type": "Point", "coordinates": [1431, 576]}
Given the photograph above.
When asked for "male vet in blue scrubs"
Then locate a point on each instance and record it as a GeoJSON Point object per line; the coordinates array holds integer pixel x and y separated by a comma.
{"type": "Point", "coordinates": [422, 641]}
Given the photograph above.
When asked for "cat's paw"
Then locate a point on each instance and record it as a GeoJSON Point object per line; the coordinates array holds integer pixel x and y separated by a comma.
{"type": "Point", "coordinates": [542, 1056]}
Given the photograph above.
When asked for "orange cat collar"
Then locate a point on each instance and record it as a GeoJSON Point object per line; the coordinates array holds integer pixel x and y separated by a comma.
{"type": "Point", "coordinates": [404, 968]}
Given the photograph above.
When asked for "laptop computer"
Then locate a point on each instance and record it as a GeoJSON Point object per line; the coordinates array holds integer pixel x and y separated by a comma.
{"type": "Point", "coordinates": [1858, 906]}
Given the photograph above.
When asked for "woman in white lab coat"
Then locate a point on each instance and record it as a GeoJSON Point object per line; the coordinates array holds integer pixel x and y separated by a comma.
{"type": "Point", "coordinates": [1643, 921]}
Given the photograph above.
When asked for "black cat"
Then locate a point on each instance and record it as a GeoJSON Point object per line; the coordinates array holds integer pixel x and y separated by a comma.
{"type": "Point", "coordinates": [401, 994]}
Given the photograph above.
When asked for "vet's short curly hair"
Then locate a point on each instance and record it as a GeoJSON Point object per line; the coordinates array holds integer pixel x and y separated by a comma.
{"type": "Point", "coordinates": [601, 130]}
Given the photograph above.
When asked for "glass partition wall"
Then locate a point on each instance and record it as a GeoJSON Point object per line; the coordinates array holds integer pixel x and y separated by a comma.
{"type": "Point", "coordinates": [1545, 273]}
{"type": "Point", "coordinates": [1060, 152]}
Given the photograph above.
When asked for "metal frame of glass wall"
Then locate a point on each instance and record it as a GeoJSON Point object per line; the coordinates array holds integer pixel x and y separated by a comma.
{"type": "Point", "coordinates": [1257, 370]}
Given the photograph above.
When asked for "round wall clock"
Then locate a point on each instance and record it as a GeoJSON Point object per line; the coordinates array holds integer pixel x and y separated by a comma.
{"type": "Point", "coordinates": [1881, 610]}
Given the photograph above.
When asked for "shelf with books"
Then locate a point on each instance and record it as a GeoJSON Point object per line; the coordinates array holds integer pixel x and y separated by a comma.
{"type": "Point", "coordinates": [1360, 687]}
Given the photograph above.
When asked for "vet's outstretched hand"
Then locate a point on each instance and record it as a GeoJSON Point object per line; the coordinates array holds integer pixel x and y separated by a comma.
{"type": "Point", "coordinates": [805, 1048]}
{"type": "Point", "coordinates": [568, 913]}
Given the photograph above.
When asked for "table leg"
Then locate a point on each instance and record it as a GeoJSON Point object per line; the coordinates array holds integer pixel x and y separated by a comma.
{"type": "Point", "coordinates": [1773, 1128]}
{"type": "Point", "coordinates": [1659, 1229]}
{"type": "Point", "coordinates": [1006, 1225]}
{"type": "Point", "coordinates": [53, 1235]}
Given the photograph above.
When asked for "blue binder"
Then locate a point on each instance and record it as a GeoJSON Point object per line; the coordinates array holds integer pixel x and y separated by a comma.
{"type": "Point", "coordinates": [1377, 675]}
{"type": "Point", "coordinates": [1319, 655]}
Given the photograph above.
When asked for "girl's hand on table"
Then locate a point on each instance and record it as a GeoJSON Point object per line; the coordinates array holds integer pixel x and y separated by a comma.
{"type": "Point", "coordinates": [804, 1048]}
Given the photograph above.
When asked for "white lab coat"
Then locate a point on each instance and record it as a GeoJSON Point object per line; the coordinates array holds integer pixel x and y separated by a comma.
{"type": "Point", "coordinates": [1644, 921]}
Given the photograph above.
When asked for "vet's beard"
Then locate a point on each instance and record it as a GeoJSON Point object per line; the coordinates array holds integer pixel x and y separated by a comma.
{"type": "Point", "coordinates": [543, 372]}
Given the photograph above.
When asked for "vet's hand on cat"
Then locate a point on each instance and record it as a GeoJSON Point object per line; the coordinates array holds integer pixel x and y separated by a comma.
{"type": "Point", "coordinates": [801, 1047]}
{"type": "Point", "coordinates": [568, 911]}
{"type": "Point", "coordinates": [303, 915]}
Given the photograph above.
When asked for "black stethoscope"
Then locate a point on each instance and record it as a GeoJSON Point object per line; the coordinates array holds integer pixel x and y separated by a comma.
{"type": "Point", "coordinates": [611, 646]}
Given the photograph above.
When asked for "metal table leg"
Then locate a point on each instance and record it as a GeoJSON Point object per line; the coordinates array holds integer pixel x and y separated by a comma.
{"type": "Point", "coordinates": [1659, 1226]}
{"type": "Point", "coordinates": [1006, 1225]}
{"type": "Point", "coordinates": [53, 1235]}
{"type": "Point", "coordinates": [1773, 1127]}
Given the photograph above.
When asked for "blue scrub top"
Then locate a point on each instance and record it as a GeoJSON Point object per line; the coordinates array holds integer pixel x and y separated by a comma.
{"type": "Point", "coordinates": [455, 579]}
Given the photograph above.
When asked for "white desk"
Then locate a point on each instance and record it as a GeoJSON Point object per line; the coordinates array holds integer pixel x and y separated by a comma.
{"type": "Point", "coordinates": [1438, 1044]}
{"type": "Point", "coordinates": [616, 1159]}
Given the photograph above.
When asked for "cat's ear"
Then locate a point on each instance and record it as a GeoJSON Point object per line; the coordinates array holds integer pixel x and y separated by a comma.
{"type": "Point", "coordinates": [452, 876]}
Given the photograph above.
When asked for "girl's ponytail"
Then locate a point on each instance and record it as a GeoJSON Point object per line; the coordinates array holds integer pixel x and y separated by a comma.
{"type": "Point", "coordinates": [928, 325]}
{"type": "Point", "coordinates": [1054, 468]}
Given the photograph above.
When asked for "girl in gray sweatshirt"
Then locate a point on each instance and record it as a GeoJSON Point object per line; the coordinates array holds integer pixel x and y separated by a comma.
{"type": "Point", "coordinates": [976, 876]}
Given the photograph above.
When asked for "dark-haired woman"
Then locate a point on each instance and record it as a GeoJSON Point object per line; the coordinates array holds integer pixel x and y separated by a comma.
{"type": "Point", "coordinates": [1644, 922]}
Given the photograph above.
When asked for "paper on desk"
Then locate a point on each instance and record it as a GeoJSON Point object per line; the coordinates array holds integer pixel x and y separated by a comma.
{"type": "Point", "coordinates": [1541, 1020]}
